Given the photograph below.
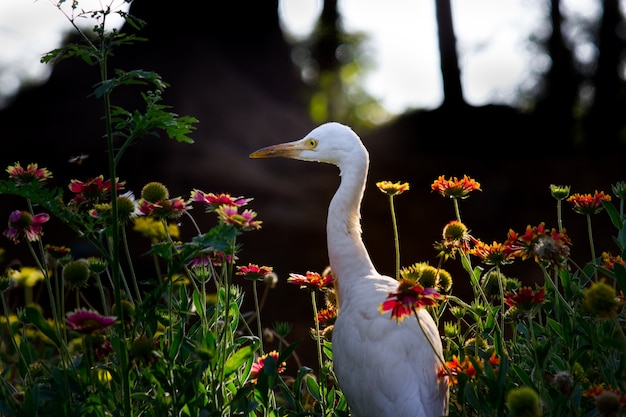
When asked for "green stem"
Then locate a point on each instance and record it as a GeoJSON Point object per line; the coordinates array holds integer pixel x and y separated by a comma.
{"type": "Point", "coordinates": [593, 250]}
{"type": "Point", "coordinates": [258, 315]}
{"type": "Point", "coordinates": [457, 209]}
{"type": "Point", "coordinates": [320, 359]}
{"type": "Point", "coordinates": [130, 265]}
{"type": "Point", "coordinates": [396, 239]}
{"type": "Point", "coordinates": [559, 215]}
{"type": "Point", "coordinates": [12, 336]}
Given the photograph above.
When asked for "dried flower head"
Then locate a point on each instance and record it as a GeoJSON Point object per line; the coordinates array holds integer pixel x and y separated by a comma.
{"type": "Point", "coordinates": [523, 402]}
{"type": "Point", "coordinates": [154, 191]}
{"type": "Point", "coordinates": [601, 299]}
{"type": "Point", "coordinates": [76, 274]}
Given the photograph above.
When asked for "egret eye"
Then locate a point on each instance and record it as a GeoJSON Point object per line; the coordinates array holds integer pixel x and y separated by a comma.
{"type": "Point", "coordinates": [312, 143]}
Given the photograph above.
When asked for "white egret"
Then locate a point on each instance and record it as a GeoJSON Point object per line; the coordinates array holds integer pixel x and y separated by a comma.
{"type": "Point", "coordinates": [384, 368]}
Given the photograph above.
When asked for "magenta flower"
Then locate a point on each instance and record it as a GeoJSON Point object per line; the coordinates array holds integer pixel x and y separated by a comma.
{"type": "Point", "coordinates": [214, 201]}
{"type": "Point", "coordinates": [409, 297]}
{"type": "Point", "coordinates": [31, 174]}
{"type": "Point", "coordinates": [254, 272]}
{"type": "Point", "coordinates": [88, 322]}
{"type": "Point", "coordinates": [93, 190]}
{"type": "Point", "coordinates": [259, 366]}
{"type": "Point", "coordinates": [22, 223]}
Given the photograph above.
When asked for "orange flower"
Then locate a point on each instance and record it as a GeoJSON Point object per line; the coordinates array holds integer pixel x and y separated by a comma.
{"type": "Point", "coordinates": [455, 188]}
{"type": "Point", "coordinates": [494, 254]}
{"type": "Point", "coordinates": [588, 204]}
{"type": "Point", "coordinates": [311, 280]}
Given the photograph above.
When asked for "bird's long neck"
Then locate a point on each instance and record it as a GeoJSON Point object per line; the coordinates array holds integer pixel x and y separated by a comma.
{"type": "Point", "coordinates": [347, 254]}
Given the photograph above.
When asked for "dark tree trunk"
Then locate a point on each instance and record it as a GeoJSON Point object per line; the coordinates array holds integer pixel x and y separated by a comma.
{"type": "Point", "coordinates": [555, 110]}
{"type": "Point", "coordinates": [450, 72]}
{"type": "Point", "coordinates": [604, 123]}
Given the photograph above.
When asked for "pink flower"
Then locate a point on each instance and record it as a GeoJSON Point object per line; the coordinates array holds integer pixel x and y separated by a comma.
{"type": "Point", "coordinates": [88, 322]}
{"type": "Point", "coordinates": [213, 201]}
{"type": "Point", "coordinates": [259, 365]}
{"type": "Point", "coordinates": [230, 215]}
{"type": "Point", "coordinates": [22, 223]}
{"type": "Point", "coordinates": [254, 272]}
{"type": "Point", "coordinates": [31, 174]}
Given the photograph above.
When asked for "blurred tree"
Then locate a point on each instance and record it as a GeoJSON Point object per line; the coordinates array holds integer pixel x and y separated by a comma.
{"type": "Point", "coordinates": [605, 125]}
{"type": "Point", "coordinates": [334, 64]}
{"type": "Point", "coordinates": [449, 60]}
{"type": "Point", "coordinates": [558, 97]}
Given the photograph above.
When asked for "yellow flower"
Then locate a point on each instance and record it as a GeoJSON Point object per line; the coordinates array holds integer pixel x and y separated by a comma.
{"type": "Point", "coordinates": [153, 229]}
{"type": "Point", "coordinates": [27, 276]}
{"type": "Point", "coordinates": [391, 188]}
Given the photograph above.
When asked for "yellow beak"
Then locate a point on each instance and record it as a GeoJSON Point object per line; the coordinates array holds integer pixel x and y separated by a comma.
{"type": "Point", "coordinates": [285, 150]}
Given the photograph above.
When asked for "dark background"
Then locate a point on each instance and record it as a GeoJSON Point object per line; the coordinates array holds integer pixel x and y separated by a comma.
{"type": "Point", "coordinates": [231, 68]}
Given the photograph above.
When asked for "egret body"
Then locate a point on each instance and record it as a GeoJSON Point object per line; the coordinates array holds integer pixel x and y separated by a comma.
{"type": "Point", "coordinates": [384, 368]}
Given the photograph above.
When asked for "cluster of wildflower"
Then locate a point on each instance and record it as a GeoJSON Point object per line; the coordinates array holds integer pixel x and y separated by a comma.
{"type": "Point", "coordinates": [609, 401]}
{"type": "Point", "coordinates": [470, 366]}
{"type": "Point", "coordinates": [428, 276]}
{"type": "Point", "coordinates": [227, 208]}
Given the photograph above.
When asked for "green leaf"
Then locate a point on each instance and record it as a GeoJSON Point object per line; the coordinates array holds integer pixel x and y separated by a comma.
{"type": "Point", "coordinates": [556, 327]}
{"type": "Point", "coordinates": [238, 359]}
{"type": "Point", "coordinates": [620, 275]}
{"type": "Point", "coordinates": [34, 316]}
{"type": "Point", "coordinates": [313, 388]}
{"type": "Point", "coordinates": [616, 219]}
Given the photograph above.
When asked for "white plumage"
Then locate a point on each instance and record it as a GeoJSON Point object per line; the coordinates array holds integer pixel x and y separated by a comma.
{"type": "Point", "coordinates": [384, 368]}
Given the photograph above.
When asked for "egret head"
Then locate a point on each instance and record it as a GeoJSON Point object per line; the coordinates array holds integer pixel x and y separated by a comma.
{"type": "Point", "coordinates": [331, 143]}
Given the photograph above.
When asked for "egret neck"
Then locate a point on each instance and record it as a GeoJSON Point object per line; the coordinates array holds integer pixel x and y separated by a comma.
{"type": "Point", "coordinates": [348, 257]}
